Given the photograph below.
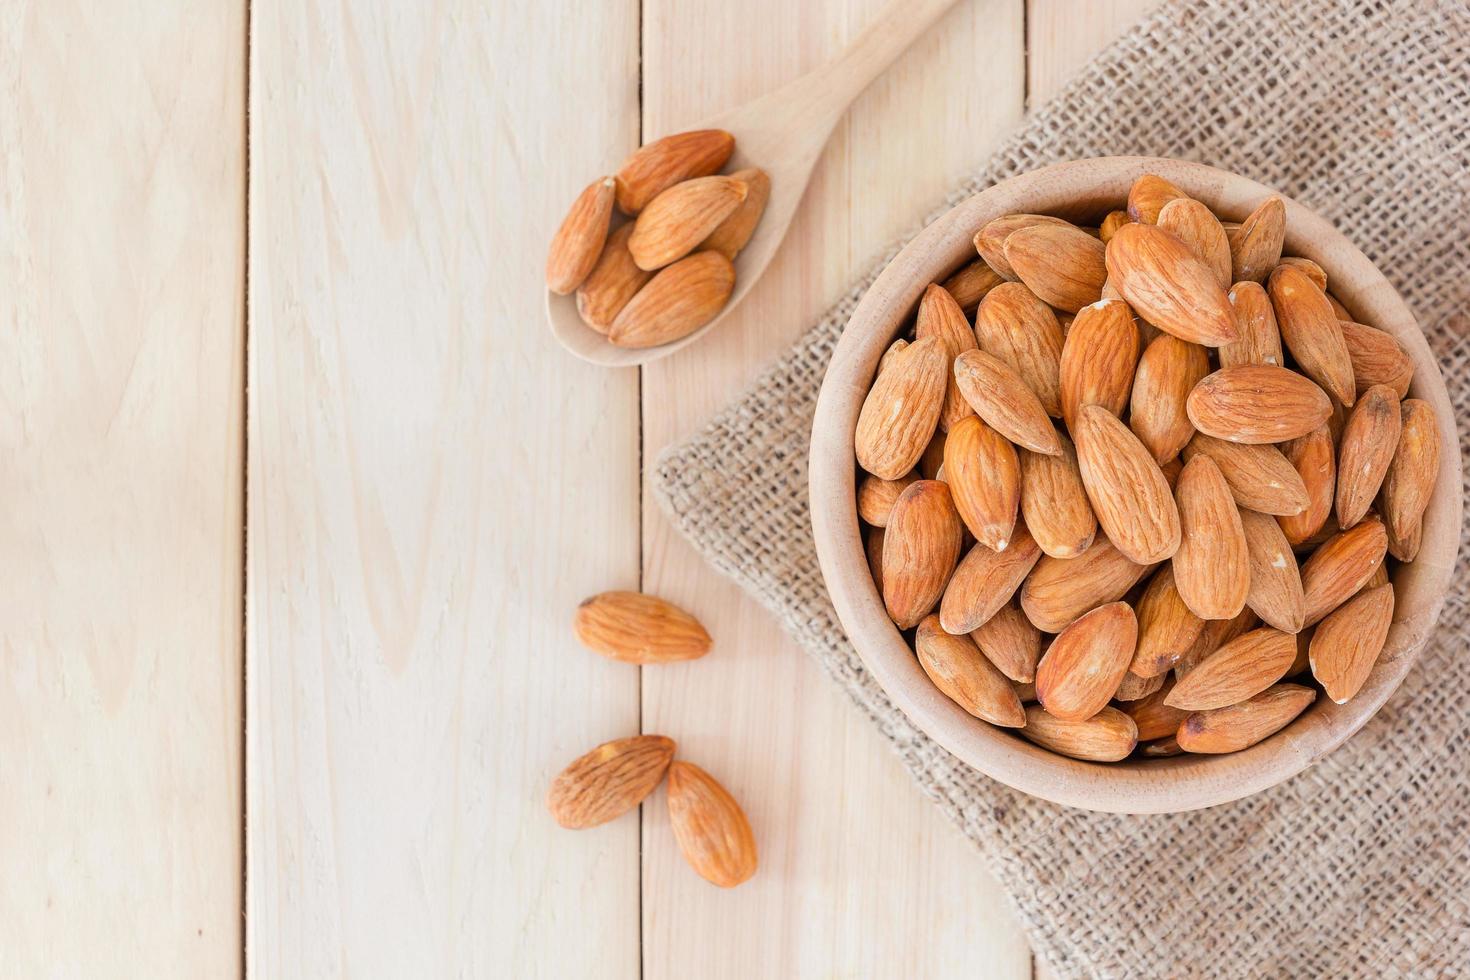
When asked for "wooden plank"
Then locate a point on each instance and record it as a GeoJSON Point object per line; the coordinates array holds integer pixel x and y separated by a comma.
{"type": "Point", "coordinates": [434, 485]}
{"type": "Point", "coordinates": [121, 294]}
{"type": "Point", "coordinates": [1063, 36]}
{"type": "Point", "coordinates": [850, 850]}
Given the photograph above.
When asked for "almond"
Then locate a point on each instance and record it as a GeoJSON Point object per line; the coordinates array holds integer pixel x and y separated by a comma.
{"type": "Point", "coordinates": [639, 629]}
{"type": "Point", "coordinates": [1015, 326]}
{"type": "Point", "coordinates": [674, 223]}
{"type": "Point", "coordinates": [941, 317]}
{"type": "Point", "coordinates": [1026, 692]}
{"type": "Point", "coordinates": [1058, 590]}
{"type": "Point", "coordinates": [958, 668]}
{"type": "Point", "coordinates": [1337, 308]}
{"type": "Point", "coordinates": [985, 581]}
{"type": "Point", "coordinates": [578, 242]}
{"type": "Point", "coordinates": [1110, 224]}
{"type": "Point", "coordinates": [1377, 358]}
{"type": "Point", "coordinates": [1127, 489]}
{"type": "Point", "coordinates": [891, 353]}
{"type": "Point", "coordinates": [1255, 324]}
{"type": "Point", "coordinates": [1147, 197]}
{"type": "Point", "coordinates": [659, 165]}
{"type": "Point", "coordinates": [1167, 629]}
{"type": "Point", "coordinates": [734, 232]}
{"type": "Point", "coordinates": [1364, 452]}
{"type": "Point", "coordinates": [1255, 247]}
{"type": "Point", "coordinates": [1167, 372]}
{"type": "Point", "coordinates": [1011, 642]}
{"type": "Point", "coordinates": [991, 239]}
{"type": "Point", "coordinates": [1099, 355]}
{"type": "Point", "coordinates": [1171, 469]}
{"type": "Point", "coordinates": [1409, 481]}
{"type": "Point", "coordinates": [901, 411]}
{"type": "Point", "coordinates": [676, 302]}
{"type": "Point", "coordinates": [1303, 660]}
{"type": "Point", "coordinates": [1212, 565]}
{"type": "Point", "coordinates": [1276, 581]}
{"type": "Point", "coordinates": [931, 464]}
{"type": "Point", "coordinates": [920, 547]}
{"type": "Point", "coordinates": [1193, 224]}
{"type": "Point", "coordinates": [613, 281]}
{"type": "Point", "coordinates": [971, 284]}
{"type": "Point", "coordinates": [1154, 718]}
{"type": "Point", "coordinates": [1060, 263]}
{"type": "Point", "coordinates": [982, 470]}
{"type": "Point", "coordinates": [609, 781]}
{"type": "Point", "coordinates": [1085, 664]}
{"type": "Point", "coordinates": [710, 827]}
{"type": "Point", "coordinates": [1242, 725]}
{"type": "Point", "coordinates": [1313, 459]}
{"type": "Point", "coordinates": [1169, 286]}
{"type": "Point", "coordinates": [1257, 403]}
{"type": "Point", "coordinates": [1107, 736]}
{"type": "Point", "coordinates": [1240, 669]}
{"type": "Point", "coordinates": [1001, 398]}
{"type": "Point", "coordinates": [1054, 502]}
{"type": "Point", "coordinates": [1342, 565]}
{"type": "Point", "coordinates": [1312, 332]}
{"type": "Point", "coordinates": [1163, 748]}
{"type": "Point", "coordinates": [876, 496]}
{"type": "Point", "coordinates": [1314, 271]}
{"type": "Point", "coordinates": [1135, 688]}
{"type": "Point", "coordinates": [1217, 633]}
{"type": "Point", "coordinates": [1347, 642]}
{"type": "Point", "coordinates": [1261, 478]}
{"type": "Point", "coordinates": [873, 547]}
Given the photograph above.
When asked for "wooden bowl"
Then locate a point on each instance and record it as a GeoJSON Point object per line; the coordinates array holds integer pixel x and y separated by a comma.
{"type": "Point", "coordinates": [1087, 189]}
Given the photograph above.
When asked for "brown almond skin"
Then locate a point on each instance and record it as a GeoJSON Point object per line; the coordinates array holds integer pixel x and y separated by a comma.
{"type": "Point", "coordinates": [873, 548]}
{"type": "Point", "coordinates": [657, 166]}
{"type": "Point", "coordinates": [1167, 629]}
{"type": "Point", "coordinates": [1314, 459]}
{"type": "Point", "coordinates": [1003, 400]}
{"type": "Point", "coordinates": [1054, 502]}
{"type": "Point", "coordinates": [609, 781]}
{"type": "Point", "coordinates": [1169, 286]}
{"type": "Point", "coordinates": [1107, 736]}
{"type": "Point", "coordinates": [1163, 748]}
{"type": "Point", "coordinates": [1197, 227]}
{"type": "Point", "coordinates": [1255, 323]}
{"type": "Point", "coordinates": [1261, 478]}
{"type": "Point", "coordinates": [1410, 479]}
{"type": "Point", "coordinates": [901, 411]}
{"type": "Point", "coordinates": [639, 629]}
{"type": "Point", "coordinates": [1026, 692]}
{"type": "Point", "coordinates": [1314, 271]}
{"type": "Point", "coordinates": [614, 280]}
{"type": "Point", "coordinates": [921, 545]}
{"type": "Point", "coordinates": [1312, 332]}
{"type": "Point", "coordinates": [1364, 452]}
{"type": "Point", "coordinates": [1171, 470]}
{"type": "Point", "coordinates": [985, 581]}
{"type": "Point", "coordinates": [1084, 665]}
{"type": "Point", "coordinates": [1240, 669]}
{"type": "Point", "coordinates": [1167, 372]}
{"type": "Point", "coordinates": [982, 470]}
{"type": "Point", "coordinates": [1341, 566]}
{"type": "Point", "coordinates": [941, 317]}
{"type": "Point", "coordinates": [958, 668]}
{"type": "Point", "coordinates": [677, 301]}
{"type": "Point", "coordinates": [1111, 223]}
{"type": "Point", "coordinates": [1377, 358]}
{"type": "Point", "coordinates": [1154, 718]}
{"type": "Point", "coordinates": [1212, 565]}
{"type": "Point", "coordinates": [1127, 489]}
{"type": "Point", "coordinates": [892, 352]}
{"type": "Point", "coordinates": [1099, 356]}
{"type": "Point", "coordinates": [1017, 327]}
{"type": "Point", "coordinates": [710, 827]}
{"type": "Point", "coordinates": [990, 240]}
{"type": "Point", "coordinates": [1257, 403]}
{"type": "Point", "coordinates": [1346, 644]}
{"type": "Point", "coordinates": [971, 284]}
{"type": "Point", "coordinates": [1217, 633]}
{"type": "Point", "coordinates": [1011, 642]}
{"type": "Point", "coordinates": [1148, 196]}
{"type": "Point", "coordinates": [1062, 264]}
{"type": "Point", "coordinates": [1255, 247]}
{"type": "Point", "coordinates": [876, 496]}
{"type": "Point", "coordinates": [578, 242]}
{"type": "Point", "coordinates": [1059, 590]}
{"type": "Point", "coordinates": [1276, 582]}
{"type": "Point", "coordinates": [734, 232]}
{"type": "Point", "coordinates": [1242, 725]}
{"type": "Point", "coordinates": [674, 223]}
{"type": "Point", "coordinates": [1135, 688]}
{"type": "Point", "coordinates": [931, 464]}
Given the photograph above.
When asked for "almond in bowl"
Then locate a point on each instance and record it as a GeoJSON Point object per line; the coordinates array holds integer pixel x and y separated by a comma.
{"type": "Point", "coordinates": [1218, 501]}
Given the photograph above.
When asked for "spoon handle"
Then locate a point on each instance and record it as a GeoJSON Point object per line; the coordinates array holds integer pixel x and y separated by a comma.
{"type": "Point", "coordinates": [896, 27]}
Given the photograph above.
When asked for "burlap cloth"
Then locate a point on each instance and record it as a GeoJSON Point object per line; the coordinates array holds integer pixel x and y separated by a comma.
{"type": "Point", "coordinates": [1360, 867]}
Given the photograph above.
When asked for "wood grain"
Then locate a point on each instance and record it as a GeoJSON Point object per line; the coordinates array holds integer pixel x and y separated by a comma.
{"type": "Point", "coordinates": [121, 284]}
{"type": "Point", "coordinates": [434, 485]}
{"type": "Point", "coordinates": [1062, 36]}
{"type": "Point", "coordinates": [832, 809]}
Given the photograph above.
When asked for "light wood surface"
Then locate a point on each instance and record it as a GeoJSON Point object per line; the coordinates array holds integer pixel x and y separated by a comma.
{"type": "Point", "coordinates": [121, 352]}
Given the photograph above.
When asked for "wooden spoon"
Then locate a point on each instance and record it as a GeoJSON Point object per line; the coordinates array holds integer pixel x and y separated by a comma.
{"type": "Point", "coordinates": [782, 132]}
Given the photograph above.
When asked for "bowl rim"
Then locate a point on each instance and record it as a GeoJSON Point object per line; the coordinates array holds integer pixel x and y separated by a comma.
{"type": "Point", "coordinates": [1185, 782]}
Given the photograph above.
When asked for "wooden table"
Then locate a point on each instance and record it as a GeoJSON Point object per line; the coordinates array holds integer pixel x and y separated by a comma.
{"type": "Point", "coordinates": [299, 495]}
